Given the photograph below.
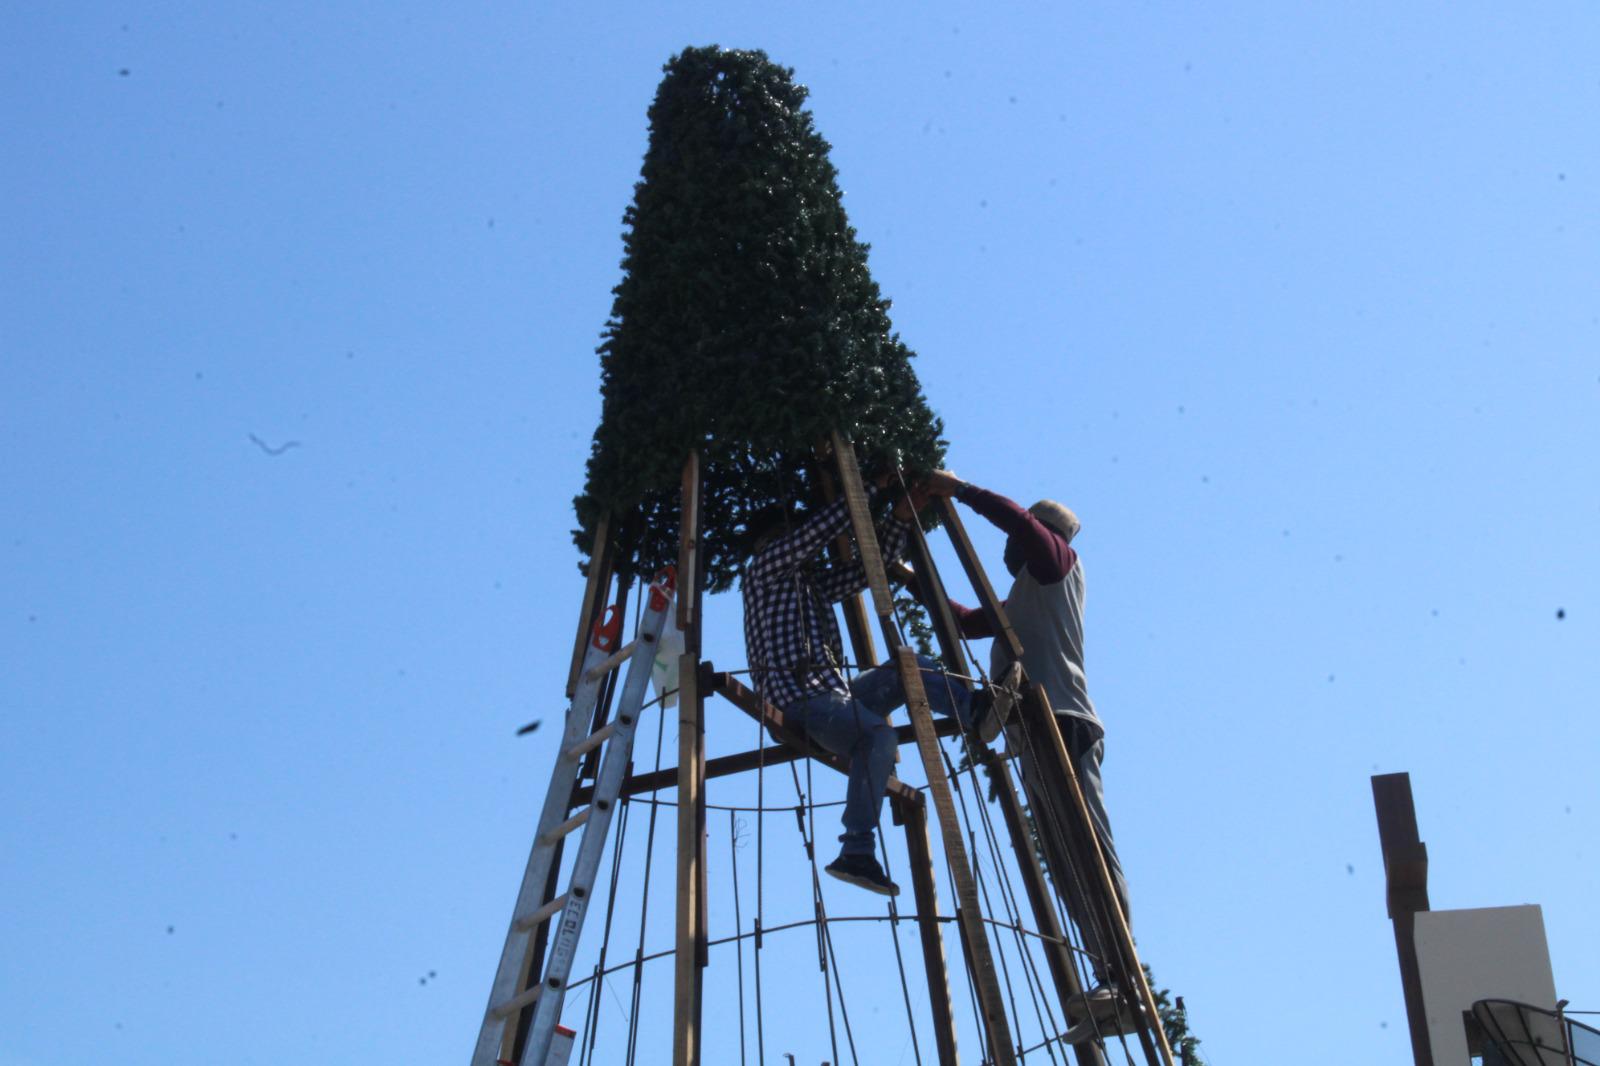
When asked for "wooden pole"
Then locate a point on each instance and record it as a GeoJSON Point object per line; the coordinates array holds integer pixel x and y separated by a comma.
{"type": "Point", "coordinates": [919, 859]}
{"type": "Point", "coordinates": [1405, 866]}
{"type": "Point", "coordinates": [1004, 634]}
{"type": "Point", "coordinates": [594, 596]}
{"type": "Point", "coordinates": [691, 903]}
{"type": "Point", "coordinates": [944, 620]}
{"type": "Point", "coordinates": [855, 609]}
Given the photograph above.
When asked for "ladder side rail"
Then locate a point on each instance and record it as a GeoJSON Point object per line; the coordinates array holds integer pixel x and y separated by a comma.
{"type": "Point", "coordinates": [613, 769]}
{"type": "Point", "coordinates": [536, 875]}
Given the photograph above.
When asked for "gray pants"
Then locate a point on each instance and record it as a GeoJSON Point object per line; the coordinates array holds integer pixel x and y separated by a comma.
{"type": "Point", "coordinates": [1086, 747]}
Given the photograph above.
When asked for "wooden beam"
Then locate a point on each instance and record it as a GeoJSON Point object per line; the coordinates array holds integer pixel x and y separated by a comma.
{"type": "Point", "coordinates": [990, 1002]}
{"type": "Point", "coordinates": [596, 586]}
{"type": "Point", "coordinates": [991, 604]}
{"type": "Point", "coordinates": [944, 620]}
{"type": "Point", "coordinates": [855, 494]}
{"type": "Point", "coordinates": [724, 765]}
{"type": "Point", "coordinates": [691, 902]}
{"type": "Point", "coordinates": [919, 861]}
{"type": "Point", "coordinates": [855, 609]}
{"type": "Point", "coordinates": [1405, 864]}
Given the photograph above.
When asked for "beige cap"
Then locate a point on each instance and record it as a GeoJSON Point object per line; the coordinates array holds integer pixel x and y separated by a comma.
{"type": "Point", "coordinates": [1057, 517]}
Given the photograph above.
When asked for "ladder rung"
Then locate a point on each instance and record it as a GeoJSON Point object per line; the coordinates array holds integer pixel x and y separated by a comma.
{"type": "Point", "coordinates": [590, 742]}
{"type": "Point", "coordinates": [517, 1002]}
{"type": "Point", "coordinates": [566, 827]}
{"type": "Point", "coordinates": [610, 662]}
{"type": "Point", "coordinates": [532, 921]}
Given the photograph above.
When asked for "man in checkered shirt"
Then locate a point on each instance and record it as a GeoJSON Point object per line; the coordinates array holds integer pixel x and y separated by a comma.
{"type": "Point", "coordinates": [797, 659]}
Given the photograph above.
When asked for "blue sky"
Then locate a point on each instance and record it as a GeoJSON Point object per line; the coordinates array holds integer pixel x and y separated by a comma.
{"type": "Point", "coordinates": [1297, 307]}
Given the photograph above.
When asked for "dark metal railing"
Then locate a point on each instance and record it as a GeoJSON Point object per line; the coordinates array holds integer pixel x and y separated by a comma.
{"type": "Point", "coordinates": [1517, 1034]}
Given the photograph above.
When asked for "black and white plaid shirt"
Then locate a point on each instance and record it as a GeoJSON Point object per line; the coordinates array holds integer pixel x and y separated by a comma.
{"type": "Point", "coordinates": [790, 632]}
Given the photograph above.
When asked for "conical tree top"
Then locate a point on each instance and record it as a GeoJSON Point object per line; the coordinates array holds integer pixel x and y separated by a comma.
{"type": "Point", "coordinates": [746, 324]}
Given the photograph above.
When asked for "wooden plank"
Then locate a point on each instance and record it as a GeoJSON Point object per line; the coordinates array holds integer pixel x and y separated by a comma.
{"type": "Point", "coordinates": [919, 860]}
{"type": "Point", "coordinates": [855, 609]}
{"type": "Point", "coordinates": [691, 902]}
{"type": "Point", "coordinates": [689, 548]}
{"type": "Point", "coordinates": [1049, 752]}
{"type": "Point", "coordinates": [596, 586]}
{"type": "Point", "coordinates": [1405, 864]}
{"type": "Point", "coordinates": [724, 765]}
{"type": "Point", "coordinates": [770, 717]}
{"type": "Point", "coordinates": [991, 1004]}
{"type": "Point", "coordinates": [980, 580]}
{"type": "Point", "coordinates": [855, 495]}
{"type": "Point", "coordinates": [944, 620]}
{"type": "Point", "coordinates": [691, 834]}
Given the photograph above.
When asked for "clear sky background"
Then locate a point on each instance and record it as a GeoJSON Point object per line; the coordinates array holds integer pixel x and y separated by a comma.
{"type": "Point", "coordinates": [1296, 305]}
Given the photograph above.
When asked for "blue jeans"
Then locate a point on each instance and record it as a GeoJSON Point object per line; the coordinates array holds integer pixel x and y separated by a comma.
{"type": "Point", "coordinates": [857, 727]}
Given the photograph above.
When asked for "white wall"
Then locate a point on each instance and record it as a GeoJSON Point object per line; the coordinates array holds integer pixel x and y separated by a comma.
{"type": "Point", "coordinates": [1485, 953]}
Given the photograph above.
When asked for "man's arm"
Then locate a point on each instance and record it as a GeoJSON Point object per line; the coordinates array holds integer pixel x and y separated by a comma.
{"type": "Point", "coordinates": [787, 552]}
{"type": "Point", "coordinates": [1046, 553]}
{"type": "Point", "coordinates": [836, 582]}
{"type": "Point", "coordinates": [972, 623]}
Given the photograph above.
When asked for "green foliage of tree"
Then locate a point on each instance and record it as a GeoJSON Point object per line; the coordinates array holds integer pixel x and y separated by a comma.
{"type": "Point", "coordinates": [746, 323]}
{"type": "Point", "coordinates": [1175, 1022]}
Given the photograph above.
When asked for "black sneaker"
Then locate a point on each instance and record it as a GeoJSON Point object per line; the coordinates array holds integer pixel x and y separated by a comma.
{"type": "Point", "coordinates": [1105, 1009]}
{"type": "Point", "coordinates": [862, 870]}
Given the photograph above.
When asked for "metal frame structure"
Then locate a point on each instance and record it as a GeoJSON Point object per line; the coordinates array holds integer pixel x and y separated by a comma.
{"type": "Point", "coordinates": [525, 1002]}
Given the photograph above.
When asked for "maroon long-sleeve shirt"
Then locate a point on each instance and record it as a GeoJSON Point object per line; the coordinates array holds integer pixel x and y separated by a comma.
{"type": "Point", "coordinates": [1045, 553]}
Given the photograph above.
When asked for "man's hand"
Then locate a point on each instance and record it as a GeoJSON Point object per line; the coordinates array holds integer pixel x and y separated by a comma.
{"type": "Point", "coordinates": [942, 483]}
{"type": "Point", "coordinates": [909, 505]}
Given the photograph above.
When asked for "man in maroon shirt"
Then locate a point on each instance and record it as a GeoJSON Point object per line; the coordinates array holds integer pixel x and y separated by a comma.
{"type": "Point", "coordinates": [1045, 609]}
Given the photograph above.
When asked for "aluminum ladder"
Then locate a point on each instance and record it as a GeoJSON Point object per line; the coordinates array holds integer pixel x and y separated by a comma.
{"type": "Point", "coordinates": [545, 992]}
